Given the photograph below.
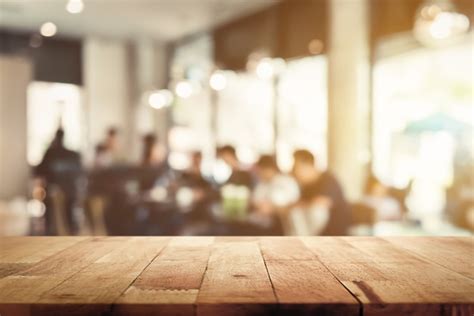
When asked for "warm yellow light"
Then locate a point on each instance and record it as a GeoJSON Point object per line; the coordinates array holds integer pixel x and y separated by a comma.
{"type": "Point", "coordinates": [315, 46]}
{"type": "Point", "coordinates": [160, 99]}
{"type": "Point", "coordinates": [75, 6]}
{"type": "Point", "coordinates": [438, 23]}
{"type": "Point", "coordinates": [218, 81]}
{"type": "Point", "coordinates": [265, 68]}
{"type": "Point", "coordinates": [184, 89]}
{"type": "Point", "coordinates": [48, 29]}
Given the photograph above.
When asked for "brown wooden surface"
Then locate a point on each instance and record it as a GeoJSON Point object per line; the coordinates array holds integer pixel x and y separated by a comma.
{"type": "Point", "coordinates": [236, 276]}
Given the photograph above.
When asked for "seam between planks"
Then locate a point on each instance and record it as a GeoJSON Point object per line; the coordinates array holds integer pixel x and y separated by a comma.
{"type": "Point", "coordinates": [195, 304]}
{"type": "Point", "coordinates": [67, 278]}
{"type": "Point", "coordinates": [426, 259]}
{"type": "Point", "coordinates": [361, 305]}
{"type": "Point", "coordinates": [78, 271]}
{"type": "Point", "coordinates": [268, 272]}
{"type": "Point", "coordinates": [112, 305]}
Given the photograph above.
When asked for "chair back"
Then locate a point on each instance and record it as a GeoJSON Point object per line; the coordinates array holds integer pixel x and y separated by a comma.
{"type": "Point", "coordinates": [363, 214]}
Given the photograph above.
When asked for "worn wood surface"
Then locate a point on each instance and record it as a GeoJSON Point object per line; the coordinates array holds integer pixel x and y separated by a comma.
{"type": "Point", "coordinates": [236, 276]}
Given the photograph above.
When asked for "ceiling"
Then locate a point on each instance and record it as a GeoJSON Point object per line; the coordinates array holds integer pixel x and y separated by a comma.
{"type": "Point", "coordinates": [158, 19]}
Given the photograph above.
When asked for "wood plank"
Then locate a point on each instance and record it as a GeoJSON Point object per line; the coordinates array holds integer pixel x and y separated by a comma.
{"type": "Point", "coordinates": [116, 271]}
{"type": "Point", "coordinates": [7, 269]}
{"type": "Point", "coordinates": [455, 254]}
{"type": "Point", "coordinates": [202, 242]}
{"type": "Point", "coordinates": [284, 248]}
{"type": "Point", "coordinates": [304, 286]}
{"type": "Point", "coordinates": [220, 239]}
{"type": "Point", "coordinates": [236, 282]}
{"type": "Point", "coordinates": [330, 250]}
{"type": "Point", "coordinates": [236, 276]}
{"type": "Point", "coordinates": [391, 281]}
{"type": "Point", "coordinates": [170, 284]}
{"type": "Point", "coordinates": [140, 302]}
{"type": "Point", "coordinates": [27, 286]}
{"type": "Point", "coordinates": [33, 249]}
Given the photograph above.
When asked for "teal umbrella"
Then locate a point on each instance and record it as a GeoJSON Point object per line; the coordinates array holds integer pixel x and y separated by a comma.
{"type": "Point", "coordinates": [435, 123]}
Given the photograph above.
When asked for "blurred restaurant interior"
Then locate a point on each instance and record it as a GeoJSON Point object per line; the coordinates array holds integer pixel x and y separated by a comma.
{"type": "Point", "coordinates": [236, 117]}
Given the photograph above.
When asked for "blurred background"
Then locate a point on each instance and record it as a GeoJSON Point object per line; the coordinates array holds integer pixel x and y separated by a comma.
{"type": "Point", "coordinates": [236, 117]}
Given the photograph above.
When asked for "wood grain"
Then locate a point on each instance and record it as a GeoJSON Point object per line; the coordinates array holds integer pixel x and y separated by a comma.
{"type": "Point", "coordinates": [236, 282]}
{"type": "Point", "coordinates": [102, 281]}
{"type": "Point", "coordinates": [33, 249]}
{"type": "Point", "coordinates": [388, 280]}
{"type": "Point", "coordinates": [302, 283]}
{"type": "Point", "coordinates": [170, 284]}
{"type": "Point", "coordinates": [236, 276]}
{"type": "Point", "coordinates": [284, 248]}
{"type": "Point", "coordinates": [455, 254]}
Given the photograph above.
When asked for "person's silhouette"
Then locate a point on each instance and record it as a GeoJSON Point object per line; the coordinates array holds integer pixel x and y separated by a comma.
{"type": "Point", "coordinates": [61, 167]}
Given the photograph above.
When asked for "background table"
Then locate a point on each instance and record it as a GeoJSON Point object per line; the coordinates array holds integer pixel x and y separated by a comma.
{"type": "Point", "coordinates": [236, 275]}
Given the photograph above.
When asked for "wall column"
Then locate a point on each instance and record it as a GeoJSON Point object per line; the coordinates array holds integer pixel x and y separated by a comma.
{"type": "Point", "coordinates": [107, 85]}
{"type": "Point", "coordinates": [151, 73]}
{"type": "Point", "coordinates": [349, 92]}
{"type": "Point", "coordinates": [15, 76]}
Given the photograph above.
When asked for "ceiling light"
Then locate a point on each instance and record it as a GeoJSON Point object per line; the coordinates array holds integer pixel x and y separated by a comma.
{"type": "Point", "coordinates": [75, 6]}
{"type": "Point", "coordinates": [184, 89]}
{"type": "Point", "coordinates": [265, 68]}
{"type": "Point", "coordinates": [315, 46]}
{"type": "Point", "coordinates": [48, 29]}
{"type": "Point", "coordinates": [218, 81]}
{"type": "Point", "coordinates": [160, 99]}
{"type": "Point", "coordinates": [438, 22]}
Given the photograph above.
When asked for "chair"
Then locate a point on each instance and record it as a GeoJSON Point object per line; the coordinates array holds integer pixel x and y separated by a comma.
{"type": "Point", "coordinates": [363, 219]}
{"type": "Point", "coordinates": [58, 201]}
{"type": "Point", "coordinates": [97, 206]}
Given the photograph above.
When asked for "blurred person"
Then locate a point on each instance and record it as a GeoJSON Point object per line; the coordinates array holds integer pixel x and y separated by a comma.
{"type": "Point", "coordinates": [236, 190]}
{"type": "Point", "coordinates": [111, 145]}
{"type": "Point", "coordinates": [239, 176]}
{"type": "Point", "coordinates": [202, 191]}
{"type": "Point", "coordinates": [153, 162]}
{"type": "Point", "coordinates": [322, 208]}
{"type": "Point", "coordinates": [153, 152]}
{"type": "Point", "coordinates": [60, 168]}
{"type": "Point", "coordinates": [101, 157]}
{"type": "Point", "coordinates": [192, 177]}
{"type": "Point", "coordinates": [193, 174]}
{"type": "Point", "coordinates": [274, 191]}
{"type": "Point", "coordinates": [377, 196]}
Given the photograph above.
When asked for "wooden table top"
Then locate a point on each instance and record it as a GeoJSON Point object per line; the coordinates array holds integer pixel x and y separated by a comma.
{"type": "Point", "coordinates": [236, 276]}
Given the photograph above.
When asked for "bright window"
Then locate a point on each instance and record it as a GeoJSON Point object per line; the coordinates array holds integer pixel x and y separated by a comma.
{"type": "Point", "coordinates": [51, 105]}
{"type": "Point", "coordinates": [423, 122]}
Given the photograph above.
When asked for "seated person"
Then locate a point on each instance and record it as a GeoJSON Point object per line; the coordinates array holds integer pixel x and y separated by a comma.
{"type": "Point", "coordinates": [322, 208]}
{"type": "Point", "coordinates": [274, 191]}
{"type": "Point", "coordinates": [153, 153]}
{"type": "Point", "coordinates": [154, 159]}
{"type": "Point", "coordinates": [377, 196]}
{"type": "Point", "coordinates": [101, 159]}
{"type": "Point", "coordinates": [235, 192]}
{"type": "Point", "coordinates": [61, 168]}
{"type": "Point", "coordinates": [201, 189]}
{"type": "Point", "coordinates": [239, 176]}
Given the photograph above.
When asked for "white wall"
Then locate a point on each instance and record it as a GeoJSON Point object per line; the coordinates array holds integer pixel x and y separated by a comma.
{"type": "Point", "coordinates": [150, 73]}
{"type": "Point", "coordinates": [116, 75]}
{"type": "Point", "coordinates": [15, 76]}
{"type": "Point", "coordinates": [107, 88]}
